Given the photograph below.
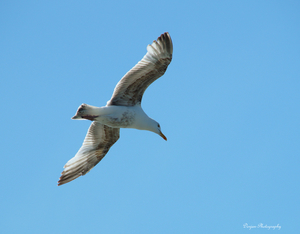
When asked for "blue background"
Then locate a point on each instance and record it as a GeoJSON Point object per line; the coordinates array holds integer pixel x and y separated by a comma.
{"type": "Point", "coordinates": [228, 103]}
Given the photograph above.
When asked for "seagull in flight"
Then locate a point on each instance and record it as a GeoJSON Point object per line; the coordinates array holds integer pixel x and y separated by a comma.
{"type": "Point", "coordinates": [123, 110]}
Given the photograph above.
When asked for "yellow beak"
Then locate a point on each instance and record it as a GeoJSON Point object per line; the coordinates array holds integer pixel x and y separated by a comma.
{"type": "Point", "coordinates": [163, 136]}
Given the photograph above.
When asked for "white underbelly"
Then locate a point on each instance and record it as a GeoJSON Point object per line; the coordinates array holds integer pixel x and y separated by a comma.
{"type": "Point", "coordinates": [124, 119]}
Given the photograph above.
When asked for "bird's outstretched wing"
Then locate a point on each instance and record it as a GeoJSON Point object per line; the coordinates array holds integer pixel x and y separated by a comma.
{"type": "Point", "coordinates": [96, 144]}
{"type": "Point", "coordinates": [130, 89]}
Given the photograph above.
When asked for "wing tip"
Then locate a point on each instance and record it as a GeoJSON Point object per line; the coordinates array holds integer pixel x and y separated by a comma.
{"type": "Point", "coordinates": [167, 39]}
{"type": "Point", "coordinates": [162, 47]}
{"type": "Point", "coordinates": [66, 178]}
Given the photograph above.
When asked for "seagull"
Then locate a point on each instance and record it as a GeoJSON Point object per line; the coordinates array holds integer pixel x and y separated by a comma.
{"type": "Point", "coordinates": [123, 110]}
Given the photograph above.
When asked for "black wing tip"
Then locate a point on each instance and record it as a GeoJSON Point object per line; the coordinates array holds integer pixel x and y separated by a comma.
{"type": "Point", "coordinates": [165, 36]}
{"type": "Point", "coordinates": [62, 181]}
{"type": "Point", "coordinates": [65, 180]}
{"type": "Point", "coordinates": [68, 177]}
{"type": "Point", "coordinates": [166, 39]}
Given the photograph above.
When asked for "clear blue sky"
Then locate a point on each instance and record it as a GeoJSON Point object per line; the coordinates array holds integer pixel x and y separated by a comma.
{"type": "Point", "coordinates": [228, 103]}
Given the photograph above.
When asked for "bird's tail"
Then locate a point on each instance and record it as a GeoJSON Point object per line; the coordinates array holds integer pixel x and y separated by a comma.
{"type": "Point", "coordinates": [86, 111]}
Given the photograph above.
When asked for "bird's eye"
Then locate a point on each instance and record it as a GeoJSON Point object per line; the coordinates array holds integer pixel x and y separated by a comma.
{"type": "Point", "coordinates": [158, 125]}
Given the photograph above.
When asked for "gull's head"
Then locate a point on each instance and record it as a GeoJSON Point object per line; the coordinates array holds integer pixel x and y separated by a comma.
{"type": "Point", "coordinates": [156, 129]}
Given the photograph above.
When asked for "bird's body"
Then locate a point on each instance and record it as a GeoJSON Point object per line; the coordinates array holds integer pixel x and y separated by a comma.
{"type": "Point", "coordinates": [123, 110]}
{"type": "Point", "coordinates": [116, 116]}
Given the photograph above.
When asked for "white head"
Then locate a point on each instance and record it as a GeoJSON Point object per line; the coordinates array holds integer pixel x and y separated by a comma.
{"type": "Point", "coordinates": [155, 127]}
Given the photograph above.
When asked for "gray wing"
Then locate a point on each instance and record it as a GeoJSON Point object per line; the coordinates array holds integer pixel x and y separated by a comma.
{"type": "Point", "coordinates": [96, 144]}
{"type": "Point", "coordinates": [130, 89]}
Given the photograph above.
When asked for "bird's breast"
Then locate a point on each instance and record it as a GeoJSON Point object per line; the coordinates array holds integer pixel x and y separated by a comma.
{"type": "Point", "coordinates": [122, 119]}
